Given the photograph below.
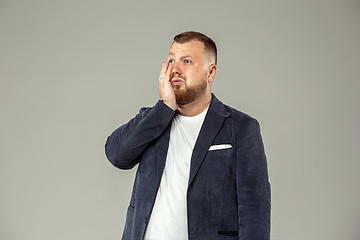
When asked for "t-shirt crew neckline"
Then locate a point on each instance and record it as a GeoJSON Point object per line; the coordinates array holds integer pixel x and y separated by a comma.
{"type": "Point", "coordinates": [189, 118]}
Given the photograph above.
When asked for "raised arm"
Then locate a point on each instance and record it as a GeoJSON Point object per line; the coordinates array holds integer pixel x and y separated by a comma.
{"type": "Point", "coordinates": [124, 146]}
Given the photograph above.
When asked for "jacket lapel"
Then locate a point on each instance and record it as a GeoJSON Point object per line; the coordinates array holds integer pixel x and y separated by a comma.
{"type": "Point", "coordinates": [162, 146]}
{"type": "Point", "coordinates": [212, 124]}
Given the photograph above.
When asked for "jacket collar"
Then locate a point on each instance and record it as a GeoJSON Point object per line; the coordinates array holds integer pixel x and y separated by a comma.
{"type": "Point", "coordinates": [218, 107]}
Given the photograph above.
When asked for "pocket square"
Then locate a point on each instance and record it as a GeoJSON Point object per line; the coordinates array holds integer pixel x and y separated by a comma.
{"type": "Point", "coordinates": [220, 146]}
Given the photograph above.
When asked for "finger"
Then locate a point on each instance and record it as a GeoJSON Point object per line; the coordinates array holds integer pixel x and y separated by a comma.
{"type": "Point", "coordinates": [168, 71]}
{"type": "Point", "coordinates": [163, 70]}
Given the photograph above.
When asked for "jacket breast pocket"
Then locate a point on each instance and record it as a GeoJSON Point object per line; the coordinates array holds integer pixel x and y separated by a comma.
{"type": "Point", "coordinates": [220, 154]}
{"type": "Point", "coordinates": [219, 164]}
{"type": "Point", "coordinates": [220, 147]}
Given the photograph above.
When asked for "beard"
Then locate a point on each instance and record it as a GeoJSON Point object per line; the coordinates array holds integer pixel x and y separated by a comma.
{"type": "Point", "coordinates": [185, 94]}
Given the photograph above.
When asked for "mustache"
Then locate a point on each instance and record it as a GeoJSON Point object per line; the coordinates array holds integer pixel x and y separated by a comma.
{"type": "Point", "coordinates": [176, 76]}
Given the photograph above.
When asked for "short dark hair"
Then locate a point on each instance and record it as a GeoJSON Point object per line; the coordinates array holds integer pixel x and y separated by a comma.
{"type": "Point", "coordinates": [209, 44]}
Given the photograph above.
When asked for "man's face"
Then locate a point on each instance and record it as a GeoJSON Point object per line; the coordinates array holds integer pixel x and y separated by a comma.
{"type": "Point", "coordinates": [189, 71]}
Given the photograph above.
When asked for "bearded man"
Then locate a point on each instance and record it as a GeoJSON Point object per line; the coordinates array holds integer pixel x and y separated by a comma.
{"type": "Point", "coordinates": [202, 171]}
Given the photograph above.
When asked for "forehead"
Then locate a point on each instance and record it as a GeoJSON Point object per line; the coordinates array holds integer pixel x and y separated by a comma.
{"type": "Point", "coordinates": [193, 48]}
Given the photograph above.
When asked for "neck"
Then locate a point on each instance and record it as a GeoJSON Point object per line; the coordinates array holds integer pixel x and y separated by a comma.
{"type": "Point", "coordinates": [196, 107]}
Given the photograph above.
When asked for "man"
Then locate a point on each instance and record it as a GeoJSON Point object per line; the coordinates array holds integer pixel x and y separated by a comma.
{"type": "Point", "coordinates": [202, 170]}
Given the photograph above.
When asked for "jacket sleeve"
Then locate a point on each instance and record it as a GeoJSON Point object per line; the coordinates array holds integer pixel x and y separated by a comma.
{"type": "Point", "coordinates": [253, 187]}
{"type": "Point", "coordinates": [126, 144]}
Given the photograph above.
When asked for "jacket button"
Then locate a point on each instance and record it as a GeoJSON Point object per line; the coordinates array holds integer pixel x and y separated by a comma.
{"type": "Point", "coordinates": [146, 220]}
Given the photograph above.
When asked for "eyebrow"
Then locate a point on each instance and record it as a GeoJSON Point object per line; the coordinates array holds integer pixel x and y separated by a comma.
{"type": "Point", "coordinates": [186, 56]}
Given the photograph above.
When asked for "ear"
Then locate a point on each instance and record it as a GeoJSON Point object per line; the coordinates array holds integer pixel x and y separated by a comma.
{"type": "Point", "coordinates": [212, 73]}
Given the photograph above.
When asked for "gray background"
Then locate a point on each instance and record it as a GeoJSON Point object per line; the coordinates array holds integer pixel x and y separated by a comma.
{"type": "Point", "coordinates": [72, 71]}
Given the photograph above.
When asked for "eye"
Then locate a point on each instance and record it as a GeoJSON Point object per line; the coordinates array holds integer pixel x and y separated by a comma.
{"type": "Point", "coordinates": [171, 61]}
{"type": "Point", "coordinates": [187, 61]}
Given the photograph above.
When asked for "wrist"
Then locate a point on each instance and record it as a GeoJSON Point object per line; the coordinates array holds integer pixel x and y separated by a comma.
{"type": "Point", "coordinates": [170, 105]}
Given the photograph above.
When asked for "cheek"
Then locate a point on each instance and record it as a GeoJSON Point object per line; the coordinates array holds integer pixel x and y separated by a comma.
{"type": "Point", "coordinates": [194, 72]}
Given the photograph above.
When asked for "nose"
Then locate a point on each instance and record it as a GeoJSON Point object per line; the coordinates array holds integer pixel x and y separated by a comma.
{"type": "Point", "coordinates": [176, 69]}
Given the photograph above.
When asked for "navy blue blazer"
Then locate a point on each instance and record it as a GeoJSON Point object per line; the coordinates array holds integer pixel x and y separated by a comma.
{"type": "Point", "coordinates": [228, 193]}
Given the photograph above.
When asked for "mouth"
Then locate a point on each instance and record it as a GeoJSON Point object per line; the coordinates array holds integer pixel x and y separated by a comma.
{"type": "Point", "coordinates": [176, 81]}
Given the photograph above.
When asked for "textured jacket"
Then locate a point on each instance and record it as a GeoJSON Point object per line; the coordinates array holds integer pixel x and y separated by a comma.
{"type": "Point", "coordinates": [228, 194]}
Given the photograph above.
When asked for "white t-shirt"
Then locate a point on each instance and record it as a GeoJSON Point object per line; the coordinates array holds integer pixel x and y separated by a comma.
{"type": "Point", "coordinates": [168, 220]}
